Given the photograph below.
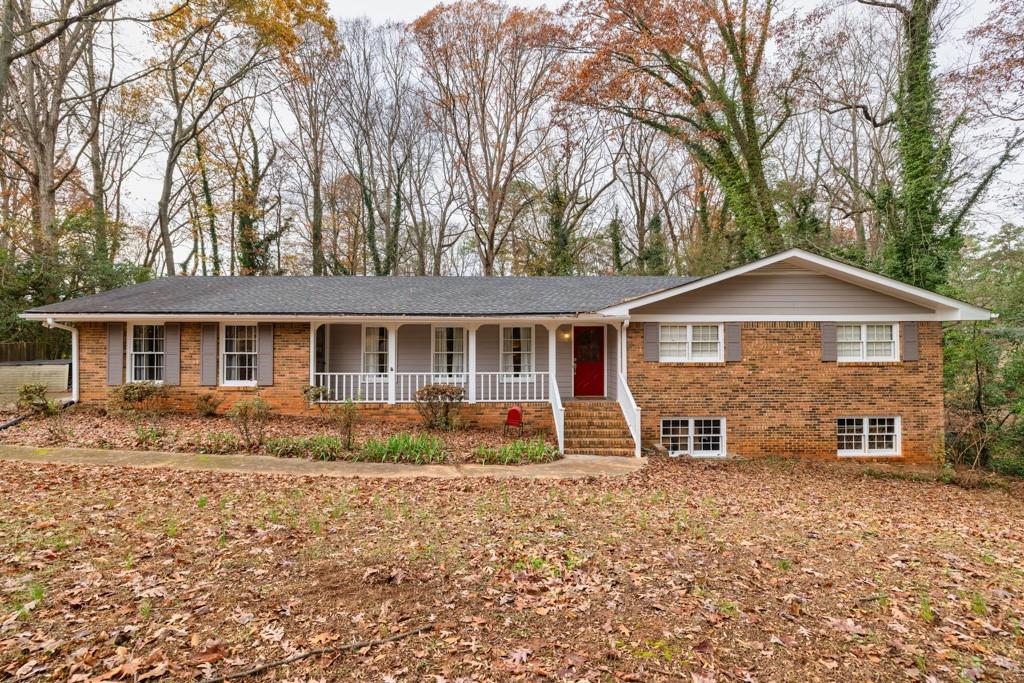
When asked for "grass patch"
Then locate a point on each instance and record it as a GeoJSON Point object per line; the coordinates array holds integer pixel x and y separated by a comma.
{"type": "Point", "coordinates": [519, 452]}
{"type": "Point", "coordinates": [317, 447]}
{"type": "Point", "coordinates": [416, 449]}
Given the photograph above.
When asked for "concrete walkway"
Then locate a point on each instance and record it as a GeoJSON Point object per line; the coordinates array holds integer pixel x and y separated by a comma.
{"type": "Point", "coordinates": [570, 467]}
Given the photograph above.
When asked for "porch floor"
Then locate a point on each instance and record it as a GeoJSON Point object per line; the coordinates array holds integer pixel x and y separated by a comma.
{"type": "Point", "coordinates": [569, 467]}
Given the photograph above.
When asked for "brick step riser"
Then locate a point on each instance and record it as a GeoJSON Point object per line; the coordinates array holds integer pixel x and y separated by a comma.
{"type": "Point", "coordinates": [616, 433]}
{"type": "Point", "coordinates": [622, 453]}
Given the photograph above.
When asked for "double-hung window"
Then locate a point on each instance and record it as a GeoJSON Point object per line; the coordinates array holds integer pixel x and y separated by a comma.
{"type": "Point", "coordinates": [690, 343]}
{"type": "Point", "coordinates": [516, 352]}
{"type": "Point", "coordinates": [375, 350]}
{"type": "Point", "coordinates": [866, 342]}
{"type": "Point", "coordinates": [449, 362]}
{"type": "Point", "coordinates": [238, 359]}
{"type": "Point", "coordinates": [147, 353]}
{"type": "Point", "coordinates": [700, 437]}
{"type": "Point", "coordinates": [868, 436]}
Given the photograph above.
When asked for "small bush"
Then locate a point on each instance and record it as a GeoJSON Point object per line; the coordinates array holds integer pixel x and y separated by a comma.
{"type": "Point", "coordinates": [315, 395]}
{"type": "Point", "coordinates": [317, 447]}
{"type": "Point", "coordinates": [418, 449]}
{"type": "Point", "coordinates": [32, 398]}
{"type": "Point", "coordinates": [519, 452]}
{"type": "Point", "coordinates": [56, 426]}
{"type": "Point", "coordinates": [148, 436]}
{"type": "Point", "coordinates": [135, 397]}
{"type": "Point", "coordinates": [215, 443]}
{"type": "Point", "coordinates": [344, 417]}
{"type": "Point", "coordinates": [207, 405]}
{"type": "Point", "coordinates": [250, 417]}
{"type": "Point", "coordinates": [439, 405]}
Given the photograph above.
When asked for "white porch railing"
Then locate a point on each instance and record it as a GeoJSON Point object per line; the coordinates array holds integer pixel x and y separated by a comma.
{"type": "Point", "coordinates": [558, 412]}
{"type": "Point", "coordinates": [491, 387]}
{"type": "Point", "coordinates": [630, 410]}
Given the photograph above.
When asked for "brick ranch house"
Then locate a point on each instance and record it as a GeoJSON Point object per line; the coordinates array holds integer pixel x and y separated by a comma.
{"type": "Point", "coordinates": [795, 354]}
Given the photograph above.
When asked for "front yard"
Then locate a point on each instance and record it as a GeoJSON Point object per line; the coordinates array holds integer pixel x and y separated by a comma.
{"type": "Point", "coordinates": [708, 571]}
{"type": "Point", "coordinates": [299, 437]}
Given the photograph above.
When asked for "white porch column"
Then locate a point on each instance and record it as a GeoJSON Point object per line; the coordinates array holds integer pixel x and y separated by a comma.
{"type": "Point", "coordinates": [312, 353]}
{"type": "Point", "coordinates": [552, 340]}
{"type": "Point", "coordinates": [623, 348]}
{"type": "Point", "coordinates": [392, 362]}
{"type": "Point", "coordinates": [471, 365]}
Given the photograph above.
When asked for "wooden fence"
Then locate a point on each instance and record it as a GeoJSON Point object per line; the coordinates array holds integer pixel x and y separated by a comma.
{"type": "Point", "coordinates": [12, 352]}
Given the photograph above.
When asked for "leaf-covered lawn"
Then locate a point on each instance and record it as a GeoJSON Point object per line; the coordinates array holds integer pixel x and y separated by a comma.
{"type": "Point", "coordinates": [760, 571]}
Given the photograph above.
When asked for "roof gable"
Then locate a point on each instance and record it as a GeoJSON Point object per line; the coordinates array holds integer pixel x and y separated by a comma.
{"type": "Point", "coordinates": [832, 290]}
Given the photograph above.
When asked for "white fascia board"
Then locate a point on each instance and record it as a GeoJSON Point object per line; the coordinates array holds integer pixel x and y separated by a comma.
{"type": "Point", "coordinates": [740, 318]}
{"type": "Point", "coordinates": [246, 317]}
{"type": "Point", "coordinates": [946, 307]}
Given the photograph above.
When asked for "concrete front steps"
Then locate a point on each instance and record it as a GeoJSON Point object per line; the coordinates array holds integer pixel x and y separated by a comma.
{"type": "Point", "coordinates": [596, 428]}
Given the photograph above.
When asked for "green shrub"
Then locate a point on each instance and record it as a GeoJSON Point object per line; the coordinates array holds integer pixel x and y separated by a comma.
{"type": "Point", "coordinates": [135, 396]}
{"type": "Point", "coordinates": [250, 417]}
{"type": "Point", "coordinates": [317, 447]}
{"type": "Point", "coordinates": [519, 452]}
{"type": "Point", "coordinates": [32, 398]}
{"type": "Point", "coordinates": [439, 405]}
{"type": "Point", "coordinates": [1009, 467]}
{"type": "Point", "coordinates": [215, 443]}
{"type": "Point", "coordinates": [344, 417]}
{"type": "Point", "coordinates": [207, 404]}
{"type": "Point", "coordinates": [418, 449]}
{"type": "Point", "coordinates": [147, 436]}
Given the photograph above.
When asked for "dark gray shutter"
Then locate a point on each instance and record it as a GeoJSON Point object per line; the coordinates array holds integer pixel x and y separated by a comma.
{"type": "Point", "coordinates": [910, 345]}
{"type": "Point", "coordinates": [733, 343]}
{"type": "Point", "coordinates": [651, 332]}
{"type": "Point", "coordinates": [115, 353]}
{"type": "Point", "coordinates": [265, 354]}
{"type": "Point", "coordinates": [208, 353]}
{"type": "Point", "coordinates": [172, 354]}
{"type": "Point", "coordinates": [828, 341]}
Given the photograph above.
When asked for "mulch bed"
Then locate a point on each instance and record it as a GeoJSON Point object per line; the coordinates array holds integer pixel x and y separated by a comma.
{"type": "Point", "coordinates": [701, 572]}
{"type": "Point", "coordinates": [88, 427]}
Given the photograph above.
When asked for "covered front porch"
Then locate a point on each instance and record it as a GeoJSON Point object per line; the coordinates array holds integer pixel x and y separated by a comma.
{"type": "Point", "coordinates": [494, 361]}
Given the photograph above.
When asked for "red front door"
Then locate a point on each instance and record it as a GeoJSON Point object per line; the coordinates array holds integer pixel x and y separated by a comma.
{"type": "Point", "coordinates": [588, 360]}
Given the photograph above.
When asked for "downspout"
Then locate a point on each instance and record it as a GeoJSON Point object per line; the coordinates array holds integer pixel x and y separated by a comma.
{"type": "Point", "coordinates": [74, 354]}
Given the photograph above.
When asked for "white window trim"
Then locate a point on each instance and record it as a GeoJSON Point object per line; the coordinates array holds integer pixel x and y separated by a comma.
{"type": "Point", "coordinates": [867, 452]}
{"type": "Point", "coordinates": [444, 377]}
{"type": "Point", "coordinates": [704, 455]}
{"type": "Point", "coordinates": [370, 377]}
{"type": "Point", "coordinates": [525, 377]}
{"type": "Point", "coordinates": [720, 358]}
{"type": "Point", "coordinates": [129, 366]}
{"type": "Point", "coordinates": [223, 366]}
{"type": "Point", "coordinates": [863, 357]}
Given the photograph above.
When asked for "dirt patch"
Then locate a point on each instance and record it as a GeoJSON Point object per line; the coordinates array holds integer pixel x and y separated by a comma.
{"type": "Point", "coordinates": [700, 571]}
{"type": "Point", "coordinates": [89, 427]}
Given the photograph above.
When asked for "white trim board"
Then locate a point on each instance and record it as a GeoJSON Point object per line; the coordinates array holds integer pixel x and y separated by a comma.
{"type": "Point", "coordinates": [946, 308]}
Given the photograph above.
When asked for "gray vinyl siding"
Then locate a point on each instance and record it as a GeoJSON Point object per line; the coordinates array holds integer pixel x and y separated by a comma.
{"type": "Point", "coordinates": [782, 291]}
{"type": "Point", "coordinates": [488, 358]}
{"type": "Point", "coordinates": [611, 359]}
{"type": "Point", "coordinates": [346, 348]}
{"type": "Point", "coordinates": [563, 362]}
{"type": "Point", "coordinates": [540, 348]}
{"type": "Point", "coordinates": [414, 348]}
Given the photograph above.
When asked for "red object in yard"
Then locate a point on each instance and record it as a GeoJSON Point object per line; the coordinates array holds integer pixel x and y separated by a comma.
{"type": "Point", "coordinates": [514, 419]}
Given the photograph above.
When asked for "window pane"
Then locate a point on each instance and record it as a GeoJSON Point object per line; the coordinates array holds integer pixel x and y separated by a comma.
{"type": "Point", "coordinates": [850, 434]}
{"type": "Point", "coordinates": [848, 349]}
{"type": "Point", "coordinates": [449, 354]}
{"type": "Point", "coordinates": [673, 333]}
{"type": "Point", "coordinates": [675, 436]}
{"type": "Point", "coordinates": [882, 434]}
{"type": "Point", "coordinates": [517, 350]}
{"type": "Point", "coordinates": [848, 333]}
{"type": "Point", "coordinates": [707, 436]}
{"type": "Point", "coordinates": [879, 333]}
{"type": "Point", "coordinates": [375, 350]}
{"type": "Point", "coordinates": [147, 353]}
{"type": "Point", "coordinates": [239, 353]}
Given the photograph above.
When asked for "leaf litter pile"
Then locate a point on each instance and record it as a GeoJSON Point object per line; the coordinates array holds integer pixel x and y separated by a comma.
{"type": "Point", "coordinates": [684, 571]}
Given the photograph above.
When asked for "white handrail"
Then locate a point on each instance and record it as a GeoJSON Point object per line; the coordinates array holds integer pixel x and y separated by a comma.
{"type": "Point", "coordinates": [631, 411]}
{"type": "Point", "coordinates": [557, 410]}
{"type": "Point", "coordinates": [492, 387]}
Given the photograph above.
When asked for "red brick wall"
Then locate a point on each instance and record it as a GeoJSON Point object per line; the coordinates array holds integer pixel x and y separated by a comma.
{"type": "Point", "coordinates": [291, 374]}
{"type": "Point", "coordinates": [782, 400]}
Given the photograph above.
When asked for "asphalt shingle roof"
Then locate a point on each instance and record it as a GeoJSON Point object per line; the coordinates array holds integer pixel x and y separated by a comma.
{"type": "Point", "coordinates": [405, 295]}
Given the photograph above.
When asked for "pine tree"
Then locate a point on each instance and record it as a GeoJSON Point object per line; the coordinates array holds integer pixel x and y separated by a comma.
{"type": "Point", "coordinates": [653, 260]}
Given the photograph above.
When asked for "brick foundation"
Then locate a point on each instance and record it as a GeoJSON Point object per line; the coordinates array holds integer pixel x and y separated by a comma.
{"type": "Point", "coordinates": [291, 375]}
{"type": "Point", "coordinates": [783, 400]}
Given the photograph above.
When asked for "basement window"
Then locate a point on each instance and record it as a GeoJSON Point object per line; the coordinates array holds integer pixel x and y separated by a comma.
{"type": "Point", "coordinates": [867, 436]}
{"type": "Point", "coordinates": [697, 437]}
